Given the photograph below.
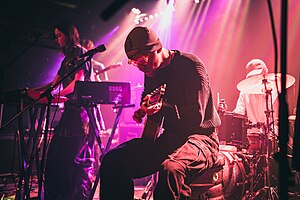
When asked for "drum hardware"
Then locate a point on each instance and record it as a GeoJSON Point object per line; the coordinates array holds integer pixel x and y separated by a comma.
{"type": "Point", "coordinates": [259, 143]}
{"type": "Point", "coordinates": [233, 130]}
{"type": "Point", "coordinates": [267, 135]}
{"type": "Point", "coordinates": [263, 144]}
{"type": "Point", "coordinates": [252, 168]}
{"type": "Point", "coordinates": [255, 184]}
{"type": "Point", "coordinates": [256, 125]}
{"type": "Point", "coordinates": [259, 168]}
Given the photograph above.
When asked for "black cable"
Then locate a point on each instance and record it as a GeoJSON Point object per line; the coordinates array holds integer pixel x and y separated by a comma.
{"type": "Point", "coordinates": [296, 141]}
{"type": "Point", "coordinates": [283, 108]}
{"type": "Point", "coordinates": [274, 41]}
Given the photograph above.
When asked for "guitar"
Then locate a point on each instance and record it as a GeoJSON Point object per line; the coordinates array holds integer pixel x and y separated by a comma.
{"type": "Point", "coordinates": [101, 71]}
{"type": "Point", "coordinates": [153, 123]}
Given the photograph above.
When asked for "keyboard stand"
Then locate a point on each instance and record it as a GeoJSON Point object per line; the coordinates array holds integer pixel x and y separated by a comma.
{"type": "Point", "coordinates": [89, 106]}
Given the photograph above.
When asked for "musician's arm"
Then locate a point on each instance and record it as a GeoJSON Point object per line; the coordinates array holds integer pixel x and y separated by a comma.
{"type": "Point", "coordinates": [146, 109]}
{"type": "Point", "coordinates": [42, 88]}
{"type": "Point", "coordinates": [79, 76]}
{"type": "Point", "coordinates": [45, 87]}
{"type": "Point", "coordinates": [99, 76]}
{"type": "Point", "coordinates": [140, 113]}
{"type": "Point", "coordinates": [240, 105]}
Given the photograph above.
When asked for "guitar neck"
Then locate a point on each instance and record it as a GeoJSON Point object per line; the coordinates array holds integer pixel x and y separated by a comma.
{"type": "Point", "coordinates": [102, 70]}
{"type": "Point", "coordinates": [107, 68]}
{"type": "Point", "coordinates": [153, 125]}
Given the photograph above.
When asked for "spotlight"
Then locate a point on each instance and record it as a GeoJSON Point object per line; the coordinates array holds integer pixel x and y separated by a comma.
{"type": "Point", "coordinates": [136, 11]}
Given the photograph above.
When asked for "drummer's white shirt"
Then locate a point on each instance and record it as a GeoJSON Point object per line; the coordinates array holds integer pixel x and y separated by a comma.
{"type": "Point", "coordinates": [253, 106]}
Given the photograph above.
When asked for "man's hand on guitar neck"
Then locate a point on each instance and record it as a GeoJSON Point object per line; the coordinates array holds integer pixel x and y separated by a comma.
{"type": "Point", "coordinates": [138, 115]}
{"type": "Point", "coordinates": [147, 108]}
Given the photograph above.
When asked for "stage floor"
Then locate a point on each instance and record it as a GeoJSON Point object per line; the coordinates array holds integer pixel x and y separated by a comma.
{"type": "Point", "coordinates": [9, 183]}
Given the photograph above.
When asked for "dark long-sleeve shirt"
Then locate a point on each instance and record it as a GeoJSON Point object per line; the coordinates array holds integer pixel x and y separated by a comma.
{"type": "Point", "coordinates": [188, 89]}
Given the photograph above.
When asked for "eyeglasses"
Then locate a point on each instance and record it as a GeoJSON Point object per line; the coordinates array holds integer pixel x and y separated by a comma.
{"type": "Point", "coordinates": [143, 60]}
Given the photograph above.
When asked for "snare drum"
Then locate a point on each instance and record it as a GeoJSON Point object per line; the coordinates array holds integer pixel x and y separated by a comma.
{"type": "Point", "coordinates": [233, 130]}
{"type": "Point", "coordinates": [258, 143]}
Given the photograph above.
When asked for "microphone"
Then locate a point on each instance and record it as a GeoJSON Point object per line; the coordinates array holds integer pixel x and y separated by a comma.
{"type": "Point", "coordinates": [92, 52]}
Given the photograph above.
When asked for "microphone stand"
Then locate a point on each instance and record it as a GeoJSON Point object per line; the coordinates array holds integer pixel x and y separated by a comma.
{"type": "Point", "coordinates": [48, 91]}
{"type": "Point", "coordinates": [24, 169]}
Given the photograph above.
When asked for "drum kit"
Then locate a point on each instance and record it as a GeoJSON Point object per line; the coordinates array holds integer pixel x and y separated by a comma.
{"type": "Point", "coordinates": [251, 169]}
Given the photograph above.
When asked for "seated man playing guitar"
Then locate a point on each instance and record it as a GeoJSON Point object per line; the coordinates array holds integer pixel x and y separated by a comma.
{"type": "Point", "coordinates": [179, 137]}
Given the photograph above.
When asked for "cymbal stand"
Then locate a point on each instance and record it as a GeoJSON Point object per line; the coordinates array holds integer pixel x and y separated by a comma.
{"type": "Point", "coordinates": [268, 131]}
{"type": "Point", "coordinates": [252, 166]}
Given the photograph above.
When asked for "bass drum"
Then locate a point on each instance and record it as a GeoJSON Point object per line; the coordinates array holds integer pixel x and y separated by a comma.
{"type": "Point", "coordinates": [236, 175]}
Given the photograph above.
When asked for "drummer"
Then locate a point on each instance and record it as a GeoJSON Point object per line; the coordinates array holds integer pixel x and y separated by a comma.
{"type": "Point", "coordinates": [252, 104]}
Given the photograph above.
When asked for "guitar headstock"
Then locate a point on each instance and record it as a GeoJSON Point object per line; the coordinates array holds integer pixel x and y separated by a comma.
{"type": "Point", "coordinates": [115, 65]}
{"type": "Point", "coordinates": [112, 66]}
{"type": "Point", "coordinates": [157, 94]}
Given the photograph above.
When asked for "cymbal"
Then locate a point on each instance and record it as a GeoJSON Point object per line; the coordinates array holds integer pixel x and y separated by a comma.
{"type": "Point", "coordinates": [255, 85]}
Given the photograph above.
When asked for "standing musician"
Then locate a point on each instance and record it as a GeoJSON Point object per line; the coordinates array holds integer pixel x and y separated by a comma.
{"type": "Point", "coordinates": [188, 144]}
{"type": "Point", "coordinates": [66, 176]}
{"type": "Point", "coordinates": [97, 66]}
